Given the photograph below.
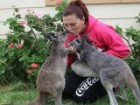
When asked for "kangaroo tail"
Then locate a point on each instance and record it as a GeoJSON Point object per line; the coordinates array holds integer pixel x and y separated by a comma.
{"type": "Point", "coordinates": [42, 97]}
{"type": "Point", "coordinates": [136, 93]}
{"type": "Point", "coordinates": [132, 83]}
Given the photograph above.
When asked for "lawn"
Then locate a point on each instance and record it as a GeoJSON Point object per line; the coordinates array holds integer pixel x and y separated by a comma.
{"type": "Point", "coordinates": [20, 94]}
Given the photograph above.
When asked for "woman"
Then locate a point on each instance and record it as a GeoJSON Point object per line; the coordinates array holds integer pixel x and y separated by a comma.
{"type": "Point", "coordinates": [78, 22]}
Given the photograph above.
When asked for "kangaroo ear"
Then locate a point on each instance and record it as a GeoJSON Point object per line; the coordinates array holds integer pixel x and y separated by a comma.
{"type": "Point", "coordinates": [51, 36]}
{"type": "Point", "coordinates": [88, 39]}
{"type": "Point", "coordinates": [87, 36]}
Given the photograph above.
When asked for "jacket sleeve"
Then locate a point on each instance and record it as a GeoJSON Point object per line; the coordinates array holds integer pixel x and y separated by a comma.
{"type": "Point", "coordinates": [112, 42]}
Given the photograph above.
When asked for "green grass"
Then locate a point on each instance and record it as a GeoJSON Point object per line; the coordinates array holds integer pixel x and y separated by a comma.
{"type": "Point", "coordinates": [16, 94]}
{"type": "Point", "coordinates": [20, 94]}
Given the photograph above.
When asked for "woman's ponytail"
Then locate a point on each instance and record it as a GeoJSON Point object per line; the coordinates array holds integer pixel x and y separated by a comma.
{"type": "Point", "coordinates": [78, 8]}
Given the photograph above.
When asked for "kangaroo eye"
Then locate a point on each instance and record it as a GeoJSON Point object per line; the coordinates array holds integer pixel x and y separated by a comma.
{"type": "Point", "coordinates": [55, 36]}
{"type": "Point", "coordinates": [78, 41]}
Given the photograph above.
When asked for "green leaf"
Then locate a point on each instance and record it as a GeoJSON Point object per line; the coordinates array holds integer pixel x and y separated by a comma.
{"type": "Point", "coordinates": [2, 69]}
{"type": "Point", "coordinates": [23, 58]}
{"type": "Point", "coordinates": [11, 54]}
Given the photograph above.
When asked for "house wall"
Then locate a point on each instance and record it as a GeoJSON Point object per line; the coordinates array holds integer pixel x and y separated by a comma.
{"type": "Point", "coordinates": [113, 14]}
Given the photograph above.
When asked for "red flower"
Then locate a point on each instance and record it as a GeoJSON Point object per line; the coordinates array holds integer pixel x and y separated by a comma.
{"type": "Point", "coordinates": [34, 65]}
{"type": "Point", "coordinates": [20, 45]}
{"type": "Point", "coordinates": [29, 71]}
{"type": "Point", "coordinates": [58, 2]}
{"type": "Point", "coordinates": [21, 23]}
{"type": "Point", "coordinates": [10, 45]}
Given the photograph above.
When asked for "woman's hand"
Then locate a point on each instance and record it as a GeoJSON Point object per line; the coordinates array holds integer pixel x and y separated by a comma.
{"type": "Point", "coordinates": [72, 50]}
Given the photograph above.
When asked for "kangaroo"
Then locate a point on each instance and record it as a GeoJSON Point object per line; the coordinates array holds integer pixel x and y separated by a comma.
{"type": "Point", "coordinates": [113, 71]}
{"type": "Point", "coordinates": [50, 79]}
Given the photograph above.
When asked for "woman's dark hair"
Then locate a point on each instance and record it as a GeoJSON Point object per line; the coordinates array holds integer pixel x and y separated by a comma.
{"type": "Point", "coordinates": [78, 8]}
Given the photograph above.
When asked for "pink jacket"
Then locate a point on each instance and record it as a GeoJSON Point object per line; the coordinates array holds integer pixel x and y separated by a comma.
{"type": "Point", "coordinates": [103, 37]}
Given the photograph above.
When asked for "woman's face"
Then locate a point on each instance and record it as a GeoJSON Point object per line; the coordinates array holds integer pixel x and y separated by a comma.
{"type": "Point", "coordinates": [73, 24]}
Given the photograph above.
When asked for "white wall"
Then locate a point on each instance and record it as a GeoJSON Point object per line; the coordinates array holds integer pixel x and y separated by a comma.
{"type": "Point", "coordinates": [121, 14]}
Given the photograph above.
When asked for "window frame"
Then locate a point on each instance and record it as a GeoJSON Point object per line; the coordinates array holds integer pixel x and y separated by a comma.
{"type": "Point", "coordinates": [90, 2]}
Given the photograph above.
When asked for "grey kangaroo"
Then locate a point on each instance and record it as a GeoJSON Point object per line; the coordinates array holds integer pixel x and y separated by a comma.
{"type": "Point", "coordinates": [112, 70]}
{"type": "Point", "coordinates": [50, 80]}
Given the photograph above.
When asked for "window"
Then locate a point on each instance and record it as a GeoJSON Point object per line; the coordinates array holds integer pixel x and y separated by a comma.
{"type": "Point", "coordinates": [52, 2]}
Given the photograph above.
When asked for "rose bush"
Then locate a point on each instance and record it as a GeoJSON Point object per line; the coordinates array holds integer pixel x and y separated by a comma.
{"type": "Point", "coordinates": [26, 47]}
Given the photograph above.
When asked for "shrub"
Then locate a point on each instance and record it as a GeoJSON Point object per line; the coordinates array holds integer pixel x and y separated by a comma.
{"type": "Point", "coordinates": [132, 36]}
